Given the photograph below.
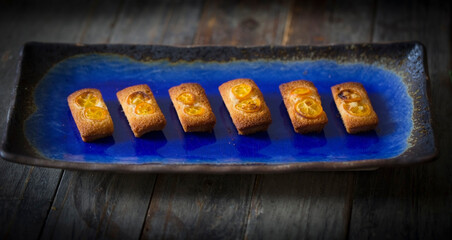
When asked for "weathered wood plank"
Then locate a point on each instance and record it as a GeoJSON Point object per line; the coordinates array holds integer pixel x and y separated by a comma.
{"type": "Point", "coordinates": [351, 22]}
{"type": "Point", "coordinates": [102, 19]}
{"type": "Point", "coordinates": [308, 23]}
{"type": "Point", "coordinates": [182, 26]}
{"type": "Point", "coordinates": [414, 202]}
{"type": "Point", "coordinates": [26, 192]}
{"type": "Point", "coordinates": [25, 199]}
{"type": "Point", "coordinates": [209, 206]}
{"type": "Point", "coordinates": [329, 22]}
{"type": "Point", "coordinates": [92, 205]}
{"type": "Point", "coordinates": [242, 23]}
{"type": "Point", "coordinates": [142, 22]}
{"type": "Point", "coordinates": [300, 206]}
{"type": "Point", "coordinates": [104, 205]}
{"type": "Point", "coordinates": [198, 207]}
{"type": "Point", "coordinates": [310, 205]}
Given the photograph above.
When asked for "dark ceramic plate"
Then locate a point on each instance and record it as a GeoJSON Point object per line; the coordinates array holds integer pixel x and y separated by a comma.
{"type": "Point", "coordinates": [41, 130]}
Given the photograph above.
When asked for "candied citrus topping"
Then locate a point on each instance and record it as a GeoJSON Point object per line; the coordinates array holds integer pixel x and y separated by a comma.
{"type": "Point", "coordinates": [349, 95]}
{"type": "Point", "coordinates": [87, 99]}
{"type": "Point", "coordinates": [300, 91]}
{"type": "Point", "coordinates": [144, 108]}
{"type": "Point", "coordinates": [194, 110]}
{"type": "Point", "coordinates": [357, 108]}
{"type": "Point", "coordinates": [249, 105]}
{"type": "Point", "coordinates": [186, 98]}
{"type": "Point", "coordinates": [309, 107]}
{"type": "Point", "coordinates": [95, 113]}
{"type": "Point", "coordinates": [241, 91]}
{"type": "Point", "coordinates": [137, 98]}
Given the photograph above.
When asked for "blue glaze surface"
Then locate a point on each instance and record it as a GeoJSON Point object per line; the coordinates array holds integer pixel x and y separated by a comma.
{"type": "Point", "coordinates": [53, 133]}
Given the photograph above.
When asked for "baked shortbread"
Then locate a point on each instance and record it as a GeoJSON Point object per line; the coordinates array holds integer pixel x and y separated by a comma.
{"type": "Point", "coordinates": [90, 114]}
{"type": "Point", "coordinates": [141, 109]}
{"type": "Point", "coordinates": [304, 106]}
{"type": "Point", "coordinates": [354, 106]}
{"type": "Point", "coordinates": [192, 107]}
{"type": "Point", "coordinates": [246, 105]}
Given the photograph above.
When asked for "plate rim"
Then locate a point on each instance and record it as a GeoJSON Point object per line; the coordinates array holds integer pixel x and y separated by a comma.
{"type": "Point", "coordinates": [405, 158]}
{"type": "Point", "coordinates": [219, 168]}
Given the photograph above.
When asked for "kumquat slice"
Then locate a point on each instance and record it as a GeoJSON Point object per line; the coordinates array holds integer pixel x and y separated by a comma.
{"type": "Point", "coordinates": [309, 107]}
{"type": "Point", "coordinates": [249, 105]}
{"type": "Point", "coordinates": [298, 93]}
{"type": "Point", "coordinates": [194, 110]}
{"type": "Point", "coordinates": [95, 113]}
{"type": "Point", "coordinates": [349, 95]}
{"type": "Point", "coordinates": [144, 108]}
{"type": "Point", "coordinates": [358, 109]}
{"type": "Point", "coordinates": [87, 99]}
{"type": "Point", "coordinates": [137, 98]}
{"type": "Point", "coordinates": [186, 98]}
{"type": "Point", "coordinates": [241, 91]}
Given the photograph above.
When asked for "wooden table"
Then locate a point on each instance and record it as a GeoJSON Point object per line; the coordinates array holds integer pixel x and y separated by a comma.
{"type": "Point", "coordinates": [410, 202]}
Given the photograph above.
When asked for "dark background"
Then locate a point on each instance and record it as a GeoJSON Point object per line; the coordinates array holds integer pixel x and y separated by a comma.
{"type": "Point", "coordinates": [398, 203]}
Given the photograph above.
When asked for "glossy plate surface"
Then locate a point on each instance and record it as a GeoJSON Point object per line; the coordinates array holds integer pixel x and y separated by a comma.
{"type": "Point", "coordinates": [41, 130]}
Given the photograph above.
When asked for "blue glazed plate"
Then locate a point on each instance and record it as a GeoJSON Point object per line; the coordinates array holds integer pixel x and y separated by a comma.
{"type": "Point", "coordinates": [41, 130]}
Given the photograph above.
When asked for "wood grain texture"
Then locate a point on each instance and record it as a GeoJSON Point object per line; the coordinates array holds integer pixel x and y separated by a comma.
{"type": "Point", "coordinates": [242, 23]}
{"type": "Point", "coordinates": [300, 206]}
{"type": "Point", "coordinates": [310, 205]}
{"type": "Point", "coordinates": [25, 199]}
{"type": "Point", "coordinates": [26, 192]}
{"type": "Point", "coordinates": [329, 22]}
{"type": "Point", "coordinates": [414, 202]}
{"type": "Point", "coordinates": [100, 22]}
{"type": "Point", "coordinates": [142, 22]}
{"type": "Point", "coordinates": [182, 26]}
{"type": "Point", "coordinates": [91, 205]}
{"type": "Point", "coordinates": [198, 207]}
{"type": "Point", "coordinates": [208, 206]}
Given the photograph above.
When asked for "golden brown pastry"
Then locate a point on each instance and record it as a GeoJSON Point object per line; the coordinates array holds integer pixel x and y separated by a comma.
{"type": "Point", "coordinates": [90, 114]}
{"type": "Point", "coordinates": [192, 107]}
{"type": "Point", "coordinates": [354, 106]}
{"type": "Point", "coordinates": [304, 106]}
{"type": "Point", "coordinates": [246, 105]}
{"type": "Point", "coordinates": [141, 109]}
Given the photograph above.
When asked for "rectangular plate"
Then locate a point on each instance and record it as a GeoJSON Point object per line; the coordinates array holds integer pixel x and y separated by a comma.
{"type": "Point", "coordinates": [41, 131]}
